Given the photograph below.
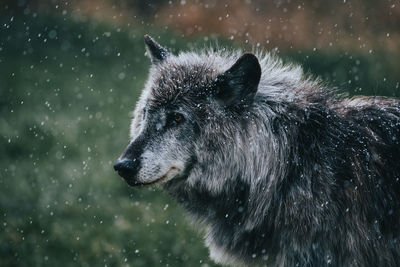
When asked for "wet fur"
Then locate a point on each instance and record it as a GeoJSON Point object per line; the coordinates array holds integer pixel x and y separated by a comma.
{"type": "Point", "coordinates": [296, 176]}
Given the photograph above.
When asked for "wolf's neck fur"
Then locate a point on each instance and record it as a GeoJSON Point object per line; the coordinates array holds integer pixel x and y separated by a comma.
{"type": "Point", "coordinates": [240, 201]}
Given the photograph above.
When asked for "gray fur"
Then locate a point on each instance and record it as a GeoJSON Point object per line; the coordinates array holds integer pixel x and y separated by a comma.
{"type": "Point", "coordinates": [287, 174]}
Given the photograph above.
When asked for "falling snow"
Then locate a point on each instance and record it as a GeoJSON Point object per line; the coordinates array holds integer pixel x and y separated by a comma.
{"type": "Point", "coordinates": [71, 71]}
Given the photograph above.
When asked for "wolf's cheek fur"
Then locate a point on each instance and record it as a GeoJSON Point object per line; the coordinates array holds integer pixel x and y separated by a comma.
{"type": "Point", "coordinates": [161, 162]}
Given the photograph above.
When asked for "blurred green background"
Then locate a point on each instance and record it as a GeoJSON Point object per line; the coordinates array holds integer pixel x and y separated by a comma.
{"type": "Point", "coordinates": [70, 74]}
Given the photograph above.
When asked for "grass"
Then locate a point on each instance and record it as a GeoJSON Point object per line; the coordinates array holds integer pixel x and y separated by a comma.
{"type": "Point", "coordinates": [66, 91]}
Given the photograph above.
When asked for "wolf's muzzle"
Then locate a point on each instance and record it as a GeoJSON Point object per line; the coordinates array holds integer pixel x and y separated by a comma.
{"type": "Point", "coordinates": [127, 168]}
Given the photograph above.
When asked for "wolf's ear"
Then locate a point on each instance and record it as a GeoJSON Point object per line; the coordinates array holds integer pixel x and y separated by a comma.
{"type": "Point", "coordinates": [239, 83]}
{"type": "Point", "coordinates": [156, 51]}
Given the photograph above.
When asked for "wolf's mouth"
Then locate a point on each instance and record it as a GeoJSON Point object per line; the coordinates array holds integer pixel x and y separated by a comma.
{"type": "Point", "coordinates": [165, 177]}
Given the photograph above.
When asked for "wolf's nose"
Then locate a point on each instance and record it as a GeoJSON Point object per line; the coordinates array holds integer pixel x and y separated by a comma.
{"type": "Point", "coordinates": [126, 168]}
{"type": "Point", "coordinates": [119, 164]}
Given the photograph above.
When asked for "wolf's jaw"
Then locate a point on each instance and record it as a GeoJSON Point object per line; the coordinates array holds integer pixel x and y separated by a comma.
{"type": "Point", "coordinates": [171, 173]}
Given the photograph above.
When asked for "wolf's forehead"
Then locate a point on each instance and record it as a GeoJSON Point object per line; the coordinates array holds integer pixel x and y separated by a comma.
{"type": "Point", "coordinates": [180, 81]}
{"type": "Point", "coordinates": [183, 76]}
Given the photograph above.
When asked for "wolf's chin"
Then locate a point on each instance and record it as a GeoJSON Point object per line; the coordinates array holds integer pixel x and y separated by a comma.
{"type": "Point", "coordinates": [171, 173]}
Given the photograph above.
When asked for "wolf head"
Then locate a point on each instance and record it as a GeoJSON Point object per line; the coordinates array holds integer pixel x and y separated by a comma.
{"type": "Point", "coordinates": [185, 99]}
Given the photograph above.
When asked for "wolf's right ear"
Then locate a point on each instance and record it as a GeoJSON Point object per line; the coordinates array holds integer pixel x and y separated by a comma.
{"type": "Point", "coordinates": [155, 50]}
{"type": "Point", "coordinates": [238, 84]}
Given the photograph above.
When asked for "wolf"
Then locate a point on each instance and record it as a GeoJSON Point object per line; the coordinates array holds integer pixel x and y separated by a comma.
{"type": "Point", "coordinates": [278, 168]}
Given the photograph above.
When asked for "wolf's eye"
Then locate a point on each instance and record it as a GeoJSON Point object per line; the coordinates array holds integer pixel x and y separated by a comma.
{"type": "Point", "coordinates": [175, 118]}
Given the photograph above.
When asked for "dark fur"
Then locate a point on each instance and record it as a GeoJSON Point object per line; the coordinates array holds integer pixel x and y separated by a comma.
{"type": "Point", "coordinates": [332, 196]}
{"type": "Point", "coordinates": [353, 215]}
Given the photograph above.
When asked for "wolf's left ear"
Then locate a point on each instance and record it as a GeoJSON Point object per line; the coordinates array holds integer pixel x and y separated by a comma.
{"type": "Point", "coordinates": [239, 83]}
{"type": "Point", "coordinates": [155, 50]}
